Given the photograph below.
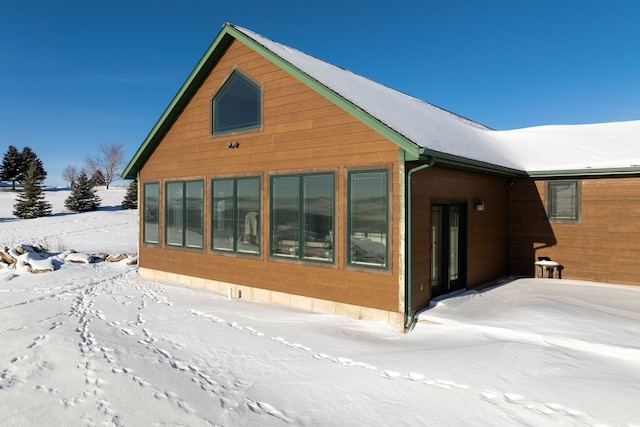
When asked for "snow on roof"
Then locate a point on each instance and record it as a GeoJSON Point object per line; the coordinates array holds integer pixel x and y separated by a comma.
{"type": "Point", "coordinates": [546, 148]}
{"type": "Point", "coordinates": [574, 147]}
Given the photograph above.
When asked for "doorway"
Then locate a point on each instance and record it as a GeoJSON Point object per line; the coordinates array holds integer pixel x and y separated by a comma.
{"type": "Point", "coordinates": [448, 247]}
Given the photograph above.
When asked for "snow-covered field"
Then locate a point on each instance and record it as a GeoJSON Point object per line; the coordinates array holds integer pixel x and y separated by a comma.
{"type": "Point", "coordinates": [96, 345]}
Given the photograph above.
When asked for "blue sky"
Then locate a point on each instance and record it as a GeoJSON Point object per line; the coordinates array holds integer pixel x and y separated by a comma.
{"type": "Point", "coordinates": [76, 73]}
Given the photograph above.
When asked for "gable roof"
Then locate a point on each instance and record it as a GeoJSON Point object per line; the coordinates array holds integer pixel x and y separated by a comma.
{"type": "Point", "coordinates": [419, 128]}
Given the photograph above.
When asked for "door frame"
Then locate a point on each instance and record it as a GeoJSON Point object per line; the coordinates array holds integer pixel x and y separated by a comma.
{"type": "Point", "coordinates": [444, 283]}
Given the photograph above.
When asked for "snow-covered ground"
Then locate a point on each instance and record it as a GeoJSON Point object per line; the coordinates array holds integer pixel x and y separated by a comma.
{"type": "Point", "coordinates": [97, 345]}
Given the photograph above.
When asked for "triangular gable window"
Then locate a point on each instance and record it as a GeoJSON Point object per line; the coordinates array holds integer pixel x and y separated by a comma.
{"type": "Point", "coordinates": [237, 105]}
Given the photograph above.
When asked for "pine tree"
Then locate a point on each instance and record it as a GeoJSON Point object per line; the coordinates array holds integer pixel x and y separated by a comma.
{"type": "Point", "coordinates": [84, 197]}
{"type": "Point", "coordinates": [131, 198]}
{"type": "Point", "coordinates": [28, 157]}
{"type": "Point", "coordinates": [30, 202]}
{"type": "Point", "coordinates": [11, 166]}
{"type": "Point", "coordinates": [98, 178]}
{"type": "Point", "coordinates": [15, 165]}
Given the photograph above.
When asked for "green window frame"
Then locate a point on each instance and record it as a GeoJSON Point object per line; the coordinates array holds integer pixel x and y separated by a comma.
{"type": "Point", "coordinates": [368, 219]}
{"type": "Point", "coordinates": [303, 217]}
{"type": "Point", "coordinates": [237, 105]}
{"type": "Point", "coordinates": [184, 214]}
{"type": "Point", "coordinates": [151, 213]}
{"type": "Point", "coordinates": [235, 215]}
{"type": "Point", "coordinates": [563, 200]}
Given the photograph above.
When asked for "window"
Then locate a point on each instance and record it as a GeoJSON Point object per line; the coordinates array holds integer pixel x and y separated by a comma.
{"type": "Point", "coordinates": [235, 215]}
{"type": "Point", "coordinates": [562, 200]}
{"type": "Point", "coordinates": [236, 106]}
{"type": "Point", "coordinates": [302, 216]}
{"type": "Point", "coordinates": [368, 219]}
{"type": "Point", "coordinates": [184, 213]}
{"type": "Point", "coordinates": [151, 223]}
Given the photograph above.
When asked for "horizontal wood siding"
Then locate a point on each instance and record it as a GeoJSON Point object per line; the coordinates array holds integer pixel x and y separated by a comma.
{"type": "Point", "coordinates": [602, 246]}
{"type": "Point", "coordinates": [302, 132]}
{"type": "Point", "coordinates": [487, 255]}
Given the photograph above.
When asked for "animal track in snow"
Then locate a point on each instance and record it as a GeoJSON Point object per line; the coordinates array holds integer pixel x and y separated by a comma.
{"type": "Point", "coordinates": [262, 407]}
{"type": "Point", "coordinates": [287, 343]}
{"type": "Point", "coordinates": [46, 389]}
{"type": "Point", "coordinates": [55, 325]}
{"type": "Point", "coordinates": [18, 358]}
{"type": "Point", "coordinates": [390, 375]}
{"type": "Point", "coordinates": [445, 384]}
{"type": "Point", "coordinates": [37, 341]}
{"type": "Point", "coordinates": [542, 408]}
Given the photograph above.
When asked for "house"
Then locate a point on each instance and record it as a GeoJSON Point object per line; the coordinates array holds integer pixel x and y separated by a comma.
{"type": "Point", "coordinates": [278, 177]}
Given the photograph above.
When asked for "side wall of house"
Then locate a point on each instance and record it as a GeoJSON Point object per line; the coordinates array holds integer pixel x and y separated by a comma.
{"type": "Point", "coordinates": [601, 246]}
{"type": "Point", "coordinates": [302, 132]}
{"type": "Point", "coordinates": [487, 231]}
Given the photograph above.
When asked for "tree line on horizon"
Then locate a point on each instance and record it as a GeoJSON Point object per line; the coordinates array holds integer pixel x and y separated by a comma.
{"type": "Point", "coordinates": [25, 168]}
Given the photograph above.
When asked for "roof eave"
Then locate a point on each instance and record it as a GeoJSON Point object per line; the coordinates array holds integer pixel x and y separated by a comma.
{"type": "Point", "coordinates": [456, 162]}
{"type": "Point", "coordinates": [586, 172]}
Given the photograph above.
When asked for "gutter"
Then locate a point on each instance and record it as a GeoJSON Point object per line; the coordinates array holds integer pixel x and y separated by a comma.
{"type": "Point", "coordinates": [409, 320]}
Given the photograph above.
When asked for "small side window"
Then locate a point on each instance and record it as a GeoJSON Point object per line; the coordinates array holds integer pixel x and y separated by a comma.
{"type": "Point", "coordinates": [151, 220]}
{"type": "Point", "coordinates": [563, 200]}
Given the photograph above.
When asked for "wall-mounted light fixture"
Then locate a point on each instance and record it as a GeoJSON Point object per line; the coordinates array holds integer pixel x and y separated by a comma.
{"type": "Point", "coordinates": [233, 144]}
{"type": "Point", "coordinates": [479, 204]}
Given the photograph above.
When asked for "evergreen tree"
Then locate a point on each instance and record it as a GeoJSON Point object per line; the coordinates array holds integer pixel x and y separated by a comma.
{"type": "Point", "coordinates": [84, 197]}
{"type": "Point", "coordinates": [15, 165]}
{"type": "Point", "coordinates": [28, 157]}
{"type": "Point", "coordinates": [131, 198]}
{"type": "Point", "coordinates": [98, 178]}
{"type": "Point", "coordinates": [11, 166]}
{"type": "Point", "coordinates": [30, 202]}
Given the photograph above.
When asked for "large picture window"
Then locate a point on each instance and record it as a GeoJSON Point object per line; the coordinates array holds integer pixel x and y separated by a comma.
{"type": "Point", "coordinates": [562, 200]}
{"type": "Point", "coordinates": [184, 214]}
{"type": "Point", "coordinates": [368, 219]}
{"type": "Point", "coordinates": [151, 220]}
{"type": "Point", "coordinates": [237, 105]}
{"type": "Point", "coordinates": [235, 215]}
{"type": "Point", "coordinates": [302, 216]}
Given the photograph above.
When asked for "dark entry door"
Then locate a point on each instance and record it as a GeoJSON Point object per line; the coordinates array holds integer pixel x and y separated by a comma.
{"type": "Point", "coordinates": [448, 247]}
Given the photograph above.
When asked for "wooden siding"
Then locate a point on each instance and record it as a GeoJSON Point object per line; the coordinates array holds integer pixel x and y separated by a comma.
{"type": "Point", "coordinates": [487, 231]}
{"type": "Point", "coordinates": [602, 246]}
{"type": "Point", "coordinates": [302, 132]}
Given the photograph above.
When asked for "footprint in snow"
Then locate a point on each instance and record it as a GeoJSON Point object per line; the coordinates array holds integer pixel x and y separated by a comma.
{"type": "Point", "coordinates": [164, 353]}
{"type": "Point", "coordinates": [445, 384]}
{"type": "Point", "coordinates": [56, 325]}
{"type": "Point", "coordinates": [262, 407]}
{"type": "Point", "coordinates": [390, 375]}
{"type": "Point", "coordinates": [539, 407]}
{"type": "Point", "coordinates": [36, 341]}
{"type": "Point", "coordinates": [19, 358]}
{"type": "Point", "coordinates": [46, 389]}
{"type": "Point", "coordinates": [414, 377]}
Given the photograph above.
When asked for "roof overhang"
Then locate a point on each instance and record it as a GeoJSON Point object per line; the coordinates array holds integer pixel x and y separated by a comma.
{"type": "Point", "coordinates": [455, 162]}
{"type": "Point", "coordinates": [586, 172]}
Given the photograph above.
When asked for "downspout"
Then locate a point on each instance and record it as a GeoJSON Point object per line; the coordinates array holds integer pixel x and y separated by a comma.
{"type": "Point", "coordinates": [408, 309]}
